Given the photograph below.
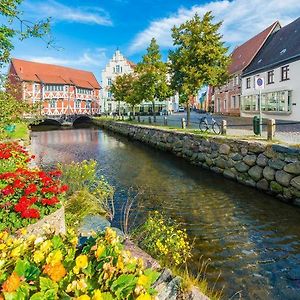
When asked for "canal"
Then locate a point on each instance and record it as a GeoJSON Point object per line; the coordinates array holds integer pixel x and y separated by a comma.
{"type": "Point", "coordinates": [251, 238]}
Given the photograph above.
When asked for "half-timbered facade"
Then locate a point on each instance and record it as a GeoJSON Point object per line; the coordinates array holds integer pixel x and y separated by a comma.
{"type": "Point", "coordinates": [60, 90]}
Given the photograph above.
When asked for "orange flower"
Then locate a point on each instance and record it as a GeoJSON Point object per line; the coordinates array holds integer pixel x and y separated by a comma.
{"type": "Point", "coordinates": [12, 283]}
{"type": "Point", "coordinates": [56, 272]}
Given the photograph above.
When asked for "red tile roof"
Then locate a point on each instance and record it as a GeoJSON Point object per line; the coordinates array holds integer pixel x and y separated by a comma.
{"type": "Point", "coordinates": [242, 56]}
{"type": "Point", "coordinates": [46, 73]}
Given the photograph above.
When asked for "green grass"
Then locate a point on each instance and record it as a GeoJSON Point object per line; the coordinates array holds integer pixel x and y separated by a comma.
{"type": "Point", "coordinates": [21, 132]}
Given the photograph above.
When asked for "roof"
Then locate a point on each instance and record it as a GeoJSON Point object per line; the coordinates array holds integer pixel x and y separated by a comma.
{"type": "Point", "coordinates": [131, 64]}
{"type": "Point", "coordinates": [281, 47]}
{"type": "Point", "coordinates": [46, 73]}
{"type": "Point", "coordinates": [242, 56]}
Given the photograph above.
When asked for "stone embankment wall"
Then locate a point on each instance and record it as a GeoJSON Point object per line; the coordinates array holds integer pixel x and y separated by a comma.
{"type": "Point", "coordinates": [274, 169]}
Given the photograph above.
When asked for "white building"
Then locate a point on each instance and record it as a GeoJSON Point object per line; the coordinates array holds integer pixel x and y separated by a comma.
{"type": "Point", "coordinates": [116, 66]}
{"type": "Point", "coordinates": [278, 62]}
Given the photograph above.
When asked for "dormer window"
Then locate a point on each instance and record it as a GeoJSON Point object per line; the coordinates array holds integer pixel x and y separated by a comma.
{"type": "Point", "coordinates": [282, 51]}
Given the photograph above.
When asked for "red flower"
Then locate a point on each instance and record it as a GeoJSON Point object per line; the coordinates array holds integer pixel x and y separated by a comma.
{"type": "Point", "coordinates": [8, 190]}
{"type": "Point", "coordinates": [18, 184]}
{"type": "Point", "coordinates": [30, 189]}
{"type": "Point", "coordinates": [64, 188]}
{"type": "Point", "coordinates": [31, 213]}
{"type": "Point", "coordinates": [52, 201]}
{"type": "Point", "coordinates": [55, 173]}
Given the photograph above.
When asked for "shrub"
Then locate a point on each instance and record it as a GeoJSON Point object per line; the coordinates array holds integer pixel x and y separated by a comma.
{"type": "Point", "coordinates": [164, 240]}
{"type": "Point", "coordinates": [13, 156]}
{"type": "Point", "coordinates": [53, 268]}
{"type": "Point", "coordinates": [27, 195]}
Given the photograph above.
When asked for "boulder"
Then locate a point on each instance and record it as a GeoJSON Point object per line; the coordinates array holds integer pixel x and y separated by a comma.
{"type": "Point", "coordinates": [93, 223]}
{"type": "Point", "coordinates": [256, 147]}
{"type": "Point", "coordinates": [221, 163]}
{"type": "Point", "coordinates": [201, 157]}
{"type": "Point", "coordinates": [262, 160]}
{"type": "Point", "coordinates": [256, 173]}
{"type": "Point", "coordinates": [269, 173]}
{"type": "Point", "coordinates": [276, 164]}
{"type": "Point", "coordinates": [293, 168]}
{"type": "Point", "coordinates": [244, 151]}
{"type": "Point", "coordinates": [236, 156]}
{"type": "Point", "coordinates": [229, 174]}
{"type": "Point", "coordinates": [241, 167]}
{"type": "Point", "coordinates": [295, 182]}
{"type": "Point", "coordinates": [275, 187]}
{"type": "Point", "coordinates": [250, 160]}
{"type": "Point", "coordinates": [283, 178]}
{"type": "Point", "coordinates": [224, 149]}
{"type": "Point", "coordinates": [263, 184]}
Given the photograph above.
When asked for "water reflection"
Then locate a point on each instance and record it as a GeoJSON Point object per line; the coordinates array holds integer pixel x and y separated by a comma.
{"type": "Point", "coordinates": [251, 238]}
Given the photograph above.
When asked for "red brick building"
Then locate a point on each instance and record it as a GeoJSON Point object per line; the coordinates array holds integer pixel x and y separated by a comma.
{"type": "Point", "coordinates": [227, 99]}
{"type": "Point", "coordinates": [61, 90]}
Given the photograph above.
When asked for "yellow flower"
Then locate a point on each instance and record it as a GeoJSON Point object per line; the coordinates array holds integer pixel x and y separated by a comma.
{"type": "Point", "coordinates": [97, 295]}
{"type": "Point", "coordinates": [144, 297]}
{"type": "Point", "coordinates": [143, 280]}
{"type": "Point", "coordinates": [2, 246]}
{"type": "Point", "coordinates": [54, 257]}
{"type": "Point", "coordinates": [83, 297]}
{"type": "Point", "coordinates": [81, 285]}
{"type": "Point", "coordinates": [46, 245]}
{"type": "Point", "coordinates": [81, 261]}
{"type": "Point", "coordinates": [99, 250]}
{"type": "Point", "coordinates": [55, 272]}
{"type": "Point", "coordinates": [16, 252]}
{"type": "Point", "coordinates": [38, 256]}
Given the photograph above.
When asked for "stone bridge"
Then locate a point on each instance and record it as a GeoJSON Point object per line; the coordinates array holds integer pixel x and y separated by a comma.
{"type": "Point", "coordinates": [66, 120]}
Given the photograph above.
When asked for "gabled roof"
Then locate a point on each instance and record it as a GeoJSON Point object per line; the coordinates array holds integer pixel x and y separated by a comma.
{"type": "Point", "coordinates": [53, 74]}
{"type": "Point", "coordinates": [131, 64]}
{"type": "Point", "coordinates": [281, 47]}
{"type": "Point", "coordinates": [242, 56]}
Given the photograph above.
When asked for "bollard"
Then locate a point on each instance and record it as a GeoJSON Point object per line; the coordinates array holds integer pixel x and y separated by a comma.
{"type": "Point", "coordinates": [149, 120]}
{"type": "Point", "coordinates": [122, 117]}
{"type": "Point", "coordinates": [154, 118]}
{"type": "Point", "coordinates": [139, 119]}
{"type": "Point", "coordinates": [224, 127]}
{"type": "Point", "coordinates": [183, 123]}
{"type": "Point", "coordinates": [165, 121]}
{"type": "Point", "coordinates": [271, 129]}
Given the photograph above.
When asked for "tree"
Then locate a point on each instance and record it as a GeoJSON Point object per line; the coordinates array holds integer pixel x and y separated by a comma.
{"type": "Point", "coordinates": [153, 76]}
{"type": "Point", "coordinates": [200, 57]}
{"type": "Point", "coordinates": [14, 26]}
{"type": "Point", "coordinates": [125, 88]}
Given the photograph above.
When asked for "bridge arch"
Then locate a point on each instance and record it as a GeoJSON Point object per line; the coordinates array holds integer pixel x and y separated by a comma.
{"type": "Point", "coordinates": [49, 121]}
{"type": "Point", "coordinates": [82, 120]}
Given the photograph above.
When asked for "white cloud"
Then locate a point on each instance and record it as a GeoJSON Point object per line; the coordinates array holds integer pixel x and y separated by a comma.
{"type": "Point", "coordinates": [242, 20]}
{"type": "Point", "coordinates": [61, 12]}
{"type": "Point", "coordinates": [89, 59]}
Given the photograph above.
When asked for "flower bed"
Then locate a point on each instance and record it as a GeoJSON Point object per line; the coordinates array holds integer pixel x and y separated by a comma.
{"type": "Point", "coordinates": [26, 194]}
{"type": "Point", "coordinates": [53, 268]}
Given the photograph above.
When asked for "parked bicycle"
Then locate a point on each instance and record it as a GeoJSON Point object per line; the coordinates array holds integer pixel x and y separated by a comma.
{"type": "Point", "coordinates": [205, 125]}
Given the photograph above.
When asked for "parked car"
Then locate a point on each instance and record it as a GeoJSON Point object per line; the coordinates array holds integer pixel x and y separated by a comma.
{"type": "Point", "coordinates": [164, 112]}
{"type": "Point", "coordinates": [180, 109]}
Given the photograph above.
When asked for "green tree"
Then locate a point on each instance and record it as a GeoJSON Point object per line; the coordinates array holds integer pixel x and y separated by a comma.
{"type": "Point", "coordinates": [200, 57]}
{"type": "Point", "coordinates": [14, 26]}
{"type": "Point", "coordinates": [152, 73]}
{"type": "Point", "coordinates": [126, 89]}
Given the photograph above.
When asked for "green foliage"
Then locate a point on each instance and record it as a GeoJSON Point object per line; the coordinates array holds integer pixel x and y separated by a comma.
{"type": "Point", "coordinates": [21, 132]}
{"type": "Point", "coordinates": [200, 57]}
{"type": "Point", "coordinates": [94, 194]}
{"type": "Point", "coordinates": [13, 26]}
{"type": "Point", "coordinates": [164, 240]}
{"type": "Point", "coordinates": [53, 267]}
{"type": "Point", "coordinates": [153, 75]}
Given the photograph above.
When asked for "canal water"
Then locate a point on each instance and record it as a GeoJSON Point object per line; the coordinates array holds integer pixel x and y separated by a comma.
{"type": "Point", "coordinates": [252, 239]}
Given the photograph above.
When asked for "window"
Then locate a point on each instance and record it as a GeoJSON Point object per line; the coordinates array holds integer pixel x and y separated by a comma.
{"type": "Point", "coordinates": [248, 83]}
{"type": "Point", "coordinates": [271, 77]}
{"type": "Point", "coordinates": [36, 88]}
{"type": "Point", "coordinates": [88, 104]}
{"type": "Point", "coordinates": [233, 104]}
{"type": "Point", "coordinates": [109, 94]}
{"type": "Point", "coordinates": [279, 101]}
{"type": "Point", "coordinates": [53, 103]}
{"type": "Point", "coordinates": [84, 91]}
{"type": "Point", "coordinates": [285, 73]}
{"type": "Point", "coordinates": [77, 103]}
{"type": "Point", "coordinates": [237, 80]}
{"type": "Point", "coordinates": [54, 88]}
{"type": "Point", "coordinates": [118, 69]}
{"type": "Point", "coordinates": [109, 82]}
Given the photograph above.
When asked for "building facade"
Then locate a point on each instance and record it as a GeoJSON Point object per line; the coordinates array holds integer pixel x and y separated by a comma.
{"type": "Point", "coordinates": [278, 63]}
{"type": "Point", "coordinates": [116, 66]}
{"type": "Point", "coordinates": [227, 98]}
{"type": "Point", "coordinates": [60, 90]}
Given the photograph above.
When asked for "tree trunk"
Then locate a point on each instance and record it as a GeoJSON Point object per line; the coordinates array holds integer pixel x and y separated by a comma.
{"type": "Point", "coordinates": [119, 113]}
{"type": "Point", "coordinates": [153, 108]}
{"type": "Point", "coordinates": [133, 112]}
{"type": "Point", "coordinates": [188, 113]}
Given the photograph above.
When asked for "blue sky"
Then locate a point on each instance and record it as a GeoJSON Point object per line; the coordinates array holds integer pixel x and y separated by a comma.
{"type": "Point", "coordinates": [87, 32]}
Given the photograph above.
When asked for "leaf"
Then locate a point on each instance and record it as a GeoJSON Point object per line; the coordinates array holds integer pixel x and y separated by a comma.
{"type": "Point", "coordinates": [152, 275]}
{"type": "Point", "coordinates": [32, 272]}
{"type": "Point", "coordinates": [47, 284]}
{"type": "Point", "coordinates": [57, 242]}
{"type": "Point", "coordinates": [124, 285]}
{"type": "Point", "coordinates": [37, 296]}
{"type": "Point", "coordinates": [21, 267]}
{"type": "Point", "coordinates": [107, 296]}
